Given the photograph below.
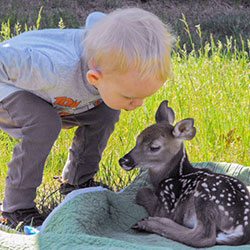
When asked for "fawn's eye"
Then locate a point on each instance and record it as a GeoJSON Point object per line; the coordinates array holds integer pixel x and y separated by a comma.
{"type": "Point", "coordinates": [154, 148]}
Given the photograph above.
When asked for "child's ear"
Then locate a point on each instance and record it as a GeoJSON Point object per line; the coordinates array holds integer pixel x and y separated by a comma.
{"type": "Point", "coordinates": [93, 76]}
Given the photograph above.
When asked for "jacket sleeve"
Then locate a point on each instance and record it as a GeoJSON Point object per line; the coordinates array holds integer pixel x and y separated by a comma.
{"type": "Point", "coordinates": [25, 68]}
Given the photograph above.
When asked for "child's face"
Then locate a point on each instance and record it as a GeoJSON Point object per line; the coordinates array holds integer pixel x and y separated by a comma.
{"type": "Point", "coordinates": [124, 91]}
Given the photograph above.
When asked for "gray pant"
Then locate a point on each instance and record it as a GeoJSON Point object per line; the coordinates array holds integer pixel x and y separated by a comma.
{"type": "Point", "coordinates": [31, 119]}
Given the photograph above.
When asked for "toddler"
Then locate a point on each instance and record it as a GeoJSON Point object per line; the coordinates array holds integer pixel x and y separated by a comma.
{"type": "Point", "coordinates": [63, 78]}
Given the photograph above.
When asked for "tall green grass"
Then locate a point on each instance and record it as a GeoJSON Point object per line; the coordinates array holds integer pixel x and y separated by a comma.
{"type": "Point", "coordinates": [211, 85]}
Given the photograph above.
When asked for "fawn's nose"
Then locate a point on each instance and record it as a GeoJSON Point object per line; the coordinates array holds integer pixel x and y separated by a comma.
{"type": "Point", "coordinates": [127, 162]}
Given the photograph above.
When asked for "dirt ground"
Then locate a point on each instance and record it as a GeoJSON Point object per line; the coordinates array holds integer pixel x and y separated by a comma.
{"type": "Point", "coordinates": [169, 11]}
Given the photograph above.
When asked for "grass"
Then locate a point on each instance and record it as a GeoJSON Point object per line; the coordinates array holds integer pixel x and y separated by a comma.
{"type": "Point", "coordinates": [211, 84]}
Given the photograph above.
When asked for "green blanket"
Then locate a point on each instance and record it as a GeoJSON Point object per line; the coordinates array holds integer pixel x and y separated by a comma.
{"type": "Point", "coordinates": [96, 218]}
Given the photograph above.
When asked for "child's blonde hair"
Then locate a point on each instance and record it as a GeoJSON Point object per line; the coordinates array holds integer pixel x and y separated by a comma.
{"type": "Point", "coordinates": [130, 39]}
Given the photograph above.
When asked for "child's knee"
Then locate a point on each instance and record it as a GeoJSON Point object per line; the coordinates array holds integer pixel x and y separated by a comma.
{"type": "Point", "coordinates": [50, 124]}
{"type": "Point", "coordinates": [39, 119]}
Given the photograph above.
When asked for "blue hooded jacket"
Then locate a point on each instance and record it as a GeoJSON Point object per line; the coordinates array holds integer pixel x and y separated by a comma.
{"type": "Point", "coordinates": [50, 64]}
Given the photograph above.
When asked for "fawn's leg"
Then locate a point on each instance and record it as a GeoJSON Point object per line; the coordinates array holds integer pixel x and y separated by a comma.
{"type": "Point", "coordinates": [147, 198]}
{"type": "Point", "coordinates": [195, 237]}
{"type": "Point", "coordinates": [202, 235]}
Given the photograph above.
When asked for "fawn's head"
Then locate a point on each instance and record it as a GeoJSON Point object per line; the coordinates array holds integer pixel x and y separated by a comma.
{"type": "Point", "coordinates": [160, 143]}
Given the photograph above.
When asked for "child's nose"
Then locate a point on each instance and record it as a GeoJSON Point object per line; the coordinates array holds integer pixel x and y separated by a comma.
{"type": "Point", "coordinates": [137, 102]}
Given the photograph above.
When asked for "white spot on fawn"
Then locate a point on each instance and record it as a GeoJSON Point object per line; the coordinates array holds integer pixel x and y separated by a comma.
{"type": "Point", "coordinates": [204, 185]}
{"type": "Point", "coordinates": [196, 194]}
{"type": "Point", "coordinates": [172, 195]}
{"type": "Point", "coordinates": [221, 208]}
{"type": "Point", "coordinates": [166, 192]}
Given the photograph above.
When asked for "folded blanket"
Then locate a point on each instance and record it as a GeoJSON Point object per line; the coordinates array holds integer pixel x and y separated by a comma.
{"type": "Point", "coordinates": [96, 218]}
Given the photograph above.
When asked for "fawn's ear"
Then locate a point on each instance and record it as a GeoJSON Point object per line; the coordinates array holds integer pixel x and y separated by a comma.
{"type": "Point", "coordinates": [185, 129]}
{"type": "Point", "coordinates": [165, 113]}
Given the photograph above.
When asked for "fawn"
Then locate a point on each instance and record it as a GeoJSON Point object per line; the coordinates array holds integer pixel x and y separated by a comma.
{"type": "Point", "coordinates": [194, 206]}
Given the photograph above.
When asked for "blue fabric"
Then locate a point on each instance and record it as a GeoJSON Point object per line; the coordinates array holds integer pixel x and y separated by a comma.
{"type": "Point", "coordinates": [98, 219]}
{"type": "Point", "coordinates": [31, 230]}
{"type": "Point", "coordinates": [50, 64]}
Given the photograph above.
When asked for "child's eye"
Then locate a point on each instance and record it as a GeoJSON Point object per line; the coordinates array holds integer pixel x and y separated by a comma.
{"type": "Point", "coordinates": [128, 98]}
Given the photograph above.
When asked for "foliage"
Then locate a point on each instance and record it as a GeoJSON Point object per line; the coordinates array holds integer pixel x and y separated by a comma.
{"type": "Point", "coordinates": [221, 26]}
